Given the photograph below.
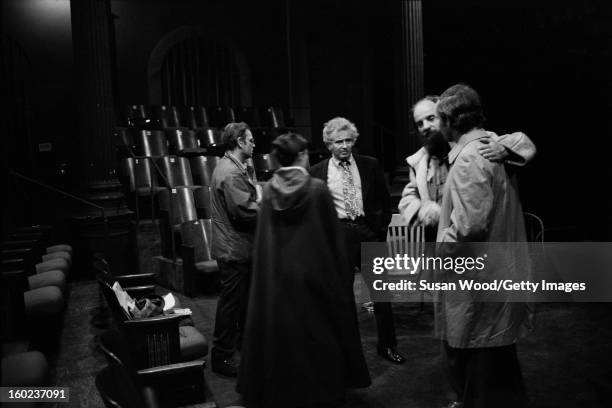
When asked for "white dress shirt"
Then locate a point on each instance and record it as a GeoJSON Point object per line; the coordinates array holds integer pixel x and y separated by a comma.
{"type": "Point", "coordinates": [334, 183]}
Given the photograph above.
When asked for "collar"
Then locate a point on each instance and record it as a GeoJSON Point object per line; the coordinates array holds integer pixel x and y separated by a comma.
{"type": "Point", "coordinates": [463, 141]}
{"type": "Point", "coordinates": [241, 166]}
{"type": "Point", "coordinates": [417, 157]}
{"type": "Point", "coordinates": [336, 162]}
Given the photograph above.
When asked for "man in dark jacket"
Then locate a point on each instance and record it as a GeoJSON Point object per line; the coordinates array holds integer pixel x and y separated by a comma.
{"type": "Point", "coordinates": [362, 203]}
{"type": "Point", "coordinates": [234, 215]}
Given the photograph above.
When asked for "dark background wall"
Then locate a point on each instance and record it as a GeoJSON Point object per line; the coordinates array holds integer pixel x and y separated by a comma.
{"type": "Point", "coordinates": [544, 68]}
{"type": "Point", "coordinates": [540, 67]}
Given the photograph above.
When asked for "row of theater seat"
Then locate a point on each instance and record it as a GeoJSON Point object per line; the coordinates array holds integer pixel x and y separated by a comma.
{"type": "Point", "coordinates": [186, 143]}
{"type": "Point", "coordinates": [166, 189]}
{"type": "Point", "coordinates": [34, 290]}
{"type": "Point", "coordinates": [198, 117]}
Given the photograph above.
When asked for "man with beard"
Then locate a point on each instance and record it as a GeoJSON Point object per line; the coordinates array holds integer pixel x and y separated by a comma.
{"type": "Point", "coordinates": [429, 167]}
{"type": "Point", "coordinates": [422, 196]}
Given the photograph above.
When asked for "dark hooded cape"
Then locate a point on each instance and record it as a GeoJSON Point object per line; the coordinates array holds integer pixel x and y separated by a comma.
{"type": "Point", "coordinates": [301, 343]}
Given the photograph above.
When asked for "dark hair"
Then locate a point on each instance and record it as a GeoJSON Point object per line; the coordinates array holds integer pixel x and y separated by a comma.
{"type": "Point", "coordinates": [460, 106]}
{"type": "Point", "coordinates": [232, 132]}
{"type": "Point", "coordinates": [286, 148]}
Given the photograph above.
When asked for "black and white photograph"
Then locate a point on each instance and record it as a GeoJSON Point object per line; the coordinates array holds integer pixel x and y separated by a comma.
{"type": "Point", "coordinates": [306, 203]}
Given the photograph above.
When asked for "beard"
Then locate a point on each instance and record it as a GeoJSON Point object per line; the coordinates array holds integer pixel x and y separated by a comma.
{"type": "Point", "coordinates": [436, 144]}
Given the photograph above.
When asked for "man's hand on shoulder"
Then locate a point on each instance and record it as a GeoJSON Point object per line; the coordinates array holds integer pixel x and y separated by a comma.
{"type": "Point", "coordinates": [492, 150]}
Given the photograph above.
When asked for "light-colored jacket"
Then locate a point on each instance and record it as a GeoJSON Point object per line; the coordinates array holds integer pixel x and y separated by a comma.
{"type": "Point", "coordinates": [428, 174]}
{"type": "Point", "coordinates": [481, 204]}
{"type": "Point", "coordinates": [234, 210]}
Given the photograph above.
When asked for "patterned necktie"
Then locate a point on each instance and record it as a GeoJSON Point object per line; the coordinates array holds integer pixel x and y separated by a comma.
{"type": "Point", "coordinates": [349, 191]}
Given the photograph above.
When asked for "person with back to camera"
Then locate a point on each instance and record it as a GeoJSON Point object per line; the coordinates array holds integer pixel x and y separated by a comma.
{"type": "Point", "coordinates": [302, 346]}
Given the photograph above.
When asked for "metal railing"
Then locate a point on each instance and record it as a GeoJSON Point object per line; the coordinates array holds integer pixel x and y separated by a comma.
{"type": "Point", "coordinates": [64, 194]}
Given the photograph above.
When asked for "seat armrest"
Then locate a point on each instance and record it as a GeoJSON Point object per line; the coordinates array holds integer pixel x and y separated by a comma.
{"type": "Point", "coordinates": [152, 321]}
{"type": "Point", "coordinates": [138, 278]}
{"type": "Point", "coordinates": [190, 367]}
{"type": "Point", "coordinates": [182, 383]}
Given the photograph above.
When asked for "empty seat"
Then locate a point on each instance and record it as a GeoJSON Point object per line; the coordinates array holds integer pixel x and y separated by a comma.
{"type": "Point", "coordinates": [219, 116]}
{"type": "Point", "coordinates": [54, 264]}
{"type": "Point", "coordinates": [28, 369]}
{"type": "Point", "coordinates": [264, 166]}
{"type": "Point", "coordinates": [202, 168]}
{"type": "Point", "coordinates": [124, 142]}
{"type": "Point", "coordinates": [273, 117]}
{"type": "Point", "coordinates": [58, 254]}
{"type": "Point", "coordinates": [187, 117]}
{"type": "Point", "coordinates": [264, 138]}
{"type": "Point", "coordinates": [59, 247]}
{"type": "Point", "coordinates": [139, 176]}
{"type": "Point", "coordinates": [51, 278]}
{"type": "Point", "coordinates": [165, 116]}
{"type": "Point", "coordinates": [184, 142]}
{"type": "Point", "coordinates": [197, 117]}
{"type": "Point", "coordinates": [196, 252]}
{"type": "Point", "coordinates": [43, 303]}
{"type": "Point", "coordinates": [151, 143]}
{"type": "Point", "coordinates": [175, 171]}
{"type": "Point", "coordinates": [210, 137]}
{"type": "Point", "coordinates": [136, 115]}
{"type": "Point", "coordinates": [247, 114]}
{"type": "Point", "coordinates": [179, 203]}
{"type": "Point", "coordinates": [203, 202]}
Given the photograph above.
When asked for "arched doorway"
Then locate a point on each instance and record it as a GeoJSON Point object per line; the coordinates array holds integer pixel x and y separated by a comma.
{"type": "Point", "coordinates": [189, 67]}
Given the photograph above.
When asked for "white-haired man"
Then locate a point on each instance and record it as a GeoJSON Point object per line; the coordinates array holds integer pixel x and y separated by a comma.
{"type": "Point", "coordinates": [363, 205]}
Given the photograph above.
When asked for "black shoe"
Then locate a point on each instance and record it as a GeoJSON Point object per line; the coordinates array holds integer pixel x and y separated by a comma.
{"type": "Point", "coordinates": [227, 367]}
{"type": "Point", "coordinates": [391, 354]}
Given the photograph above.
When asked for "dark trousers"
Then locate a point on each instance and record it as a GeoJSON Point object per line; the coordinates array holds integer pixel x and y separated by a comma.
{"type": "Point", "coordinates": [354, 234]}
{"type": "Point", "coordinates": [231, 308]}
{"type": "Point", "coordinates": [485, 377]}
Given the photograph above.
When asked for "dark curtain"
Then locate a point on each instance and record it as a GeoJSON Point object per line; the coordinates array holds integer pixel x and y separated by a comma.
{"type": "Point", "coordinates": [199, 71]}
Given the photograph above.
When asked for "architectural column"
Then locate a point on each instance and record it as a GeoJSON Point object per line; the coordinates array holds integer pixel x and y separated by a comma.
{"type": "Point", "coordinates": [91, 36]}
{"type": "Point", "coordinates": [411, 71]}
{"type": "Point", "coordinates": [110, 230]}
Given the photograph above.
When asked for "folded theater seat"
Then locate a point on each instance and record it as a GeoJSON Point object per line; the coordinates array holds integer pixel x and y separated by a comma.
{"type": "Point", "coordinates": [52, 277]}
{"type": "Point", "coordinates": [33, 255]}
{"type": "Point", "coordinates": [27, 369]}
{"type": "Point", "coordinates": [161, 339]}
{"type": "Point", "coordinates": [58, 255]}
{"type": "Point", "coordinates": [35, 315]}
{"type": "Point", "coordinates": [59, 248]}
{"type": "Point", "coordinates": [59, 264]}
